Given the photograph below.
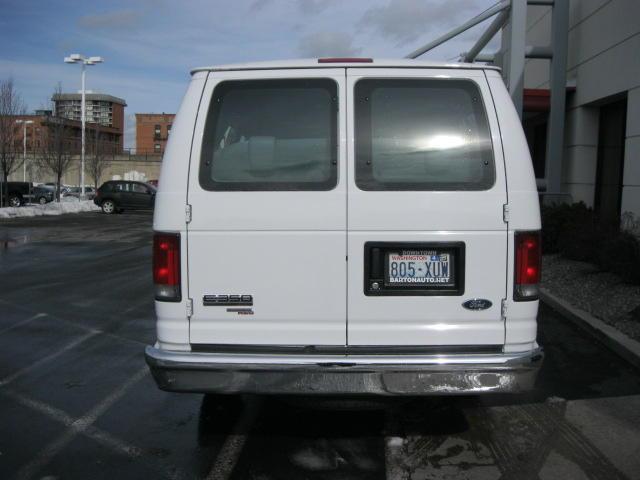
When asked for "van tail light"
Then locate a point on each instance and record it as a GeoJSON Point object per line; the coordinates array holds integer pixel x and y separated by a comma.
{"type": "Point", "coordinates": [527, 274]}
{"type": "Point", "coordinates": [166, 266]}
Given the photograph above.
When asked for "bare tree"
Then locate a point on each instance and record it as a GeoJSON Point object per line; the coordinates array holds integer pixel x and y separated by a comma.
{"type": "Point", "coordinates": [11, 104]}
{"type": "Point", "coordinates": [55, 152]}
{"type": "Point", "coordinates": [97, 160]}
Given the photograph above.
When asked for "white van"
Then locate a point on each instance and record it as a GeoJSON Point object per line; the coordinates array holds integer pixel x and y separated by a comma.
{"type": "Point", "coordinates": [346, 226]}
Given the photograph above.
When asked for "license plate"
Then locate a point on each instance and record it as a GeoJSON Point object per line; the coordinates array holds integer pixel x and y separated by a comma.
{"type": "Point", "coordinates": [420, 268]}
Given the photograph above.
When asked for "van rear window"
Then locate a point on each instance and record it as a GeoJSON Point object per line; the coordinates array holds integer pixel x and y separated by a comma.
{"type": "Point", "coordinates": [421, 134]}
{"type": "Point", "coordinates": [271, 135]}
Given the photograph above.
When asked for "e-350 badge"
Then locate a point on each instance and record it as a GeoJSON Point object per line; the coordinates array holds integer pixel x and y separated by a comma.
{"type": "Point", "coordinates": [227, 300]}
{"type": "Point", "coordinates": [234, 301]}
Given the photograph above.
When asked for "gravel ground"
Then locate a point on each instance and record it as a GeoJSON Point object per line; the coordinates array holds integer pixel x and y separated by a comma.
{"type": "Point", "coordinates": [602, 294]}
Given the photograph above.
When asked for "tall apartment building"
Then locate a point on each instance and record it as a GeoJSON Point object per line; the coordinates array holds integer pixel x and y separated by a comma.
{"type": "Point", "coordinates": [152, 132]}
{"type": "Point", "coordinates": [104, 110]}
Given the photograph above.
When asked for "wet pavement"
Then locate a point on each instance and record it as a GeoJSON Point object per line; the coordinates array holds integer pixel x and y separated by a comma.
{"type": "Point", "coordinates": [77, 401]}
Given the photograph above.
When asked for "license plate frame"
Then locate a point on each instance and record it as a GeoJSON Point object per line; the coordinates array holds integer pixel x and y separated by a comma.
{"type": "Point", "coordinates": [427, 267]}
{"type": "Point", "coordinates": [376, 269]}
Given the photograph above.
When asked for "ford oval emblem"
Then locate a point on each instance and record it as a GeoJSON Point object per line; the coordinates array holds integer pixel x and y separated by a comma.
{"type": "Point", "coordinates": [477, 304]}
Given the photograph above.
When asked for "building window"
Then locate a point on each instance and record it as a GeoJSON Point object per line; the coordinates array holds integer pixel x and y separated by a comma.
{"type": "Point", "coordinates": [156, 147]}
{"type": "Point", "coordinates": [168, 129]}
{"type": "Point", "coordinates": [157, 131]}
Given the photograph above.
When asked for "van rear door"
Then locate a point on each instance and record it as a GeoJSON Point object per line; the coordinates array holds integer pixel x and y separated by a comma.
{"type": "Point", "coordinates": [267, 188]}
{"type": "Point", "coordinates": [427, 243]}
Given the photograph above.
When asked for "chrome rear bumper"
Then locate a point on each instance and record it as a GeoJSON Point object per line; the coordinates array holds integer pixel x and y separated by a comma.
{"type": "Point", "coordinates": [349, 375]}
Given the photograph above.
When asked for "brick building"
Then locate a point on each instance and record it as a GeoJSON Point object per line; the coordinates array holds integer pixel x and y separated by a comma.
{"type": "Point", "coordinates": [109, 138]}
{"type": "Point", "coordinates": [106, 111]}
{"type": "Point", "coordinates": [152, 132]}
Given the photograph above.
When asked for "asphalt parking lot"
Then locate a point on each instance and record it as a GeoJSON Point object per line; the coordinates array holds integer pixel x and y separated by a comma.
{"type": "Point", "coordinates": [77, 401]}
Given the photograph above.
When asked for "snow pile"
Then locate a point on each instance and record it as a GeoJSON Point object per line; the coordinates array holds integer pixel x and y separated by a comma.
{"type": "Point", "coordinates": [67, 205]}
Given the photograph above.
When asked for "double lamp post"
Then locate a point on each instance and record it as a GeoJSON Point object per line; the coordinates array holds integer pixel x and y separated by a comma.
{"type": "Point", "coordinates": [24, 147]}
{"type": "Point", "coordinates": [83, 61]}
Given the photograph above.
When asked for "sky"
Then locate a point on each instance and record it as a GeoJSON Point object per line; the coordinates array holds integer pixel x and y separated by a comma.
{"type": "Point", "coordinates": [149, 46]}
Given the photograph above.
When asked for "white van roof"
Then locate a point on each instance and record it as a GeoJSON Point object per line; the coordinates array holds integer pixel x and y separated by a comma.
{"type": "Point", "coordinates": [342, 62]}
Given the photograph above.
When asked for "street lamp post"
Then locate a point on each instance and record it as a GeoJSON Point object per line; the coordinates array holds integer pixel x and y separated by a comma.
{"type": "Point", "coordinates": [83, 61]}
{"type": "Point", "coordinates": [24, 147]}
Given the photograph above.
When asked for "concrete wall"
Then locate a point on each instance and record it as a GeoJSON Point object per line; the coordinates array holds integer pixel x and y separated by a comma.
{"type": "Point", "coordinates": [122, 167]}
{"type": "Point", "coordinates": [603, 64]}
{"type": "Point", "coordinates": [631, 178]}
{"type": "Point", "coordinates": [581, 154]}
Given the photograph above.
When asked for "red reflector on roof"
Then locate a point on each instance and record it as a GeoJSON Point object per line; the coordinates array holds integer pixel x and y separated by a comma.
{"type": "Point", "coordinates": [345, 60]}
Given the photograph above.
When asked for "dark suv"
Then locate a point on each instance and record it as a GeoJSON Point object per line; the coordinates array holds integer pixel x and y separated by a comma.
{"type": "Point", "coordinates": [117, 195]}
{"type": "Point", "coordinates": [19, 192]}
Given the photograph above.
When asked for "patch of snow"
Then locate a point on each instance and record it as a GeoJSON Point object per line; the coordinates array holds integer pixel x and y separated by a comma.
{"type": "Point", "coordinates": [67, 205]}
{"type": "Point", "coordinates": [555, 400]}
{"type": "Point", "coordinates": [395, 441]}
{"type": "Point", "coordinates": [316, 458]}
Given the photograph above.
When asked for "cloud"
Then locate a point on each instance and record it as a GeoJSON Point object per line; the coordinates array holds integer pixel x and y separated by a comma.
{"type": "Point", "coordinates": [142, 91]}
{"type": "Point", "coordinates": [313, 6]}
{"type": "Point", "coordinates": [118, 20]}
{"type": "Point", "coordinates": [258, 5]}
{"type": "Point", "coordinates": [150, 45]}
{"type": "Point", "coordinates": [325, 44]}
{"type": "Point", "coordinates": [404, 21]}
{"type": "Point", "coordinates": [304, 6]}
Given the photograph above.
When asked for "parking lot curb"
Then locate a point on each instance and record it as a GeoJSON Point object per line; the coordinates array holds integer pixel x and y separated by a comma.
{"type": "Point", "coordinates": [617, 341]}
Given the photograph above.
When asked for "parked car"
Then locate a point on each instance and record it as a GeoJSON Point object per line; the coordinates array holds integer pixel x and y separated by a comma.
{"type": "Point", "coordinates": [18, 192]}
{"type": "Point", "coordinates": [115, 196]}
{"type": "Point", "coordinates": [63, 188]}
{"type": "Point", "coordinates": [346, 226]}
{"type": "Point", "coordinates": [42, 195]}
{"type": "Point", "coordinates": [75, 192]}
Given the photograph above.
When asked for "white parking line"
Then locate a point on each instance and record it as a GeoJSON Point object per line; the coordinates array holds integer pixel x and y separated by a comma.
{"type": "Point", "coordinates": [232, 447]}
{"type": "Point", "coordinates": [83, 327]}
{"type": "Point", "coordinates": [132, 452]}
{"type": "Point", "coordinates": [106, 439]}
{"type": "Point", "coordinates": [23, 322]}
{"type": "Point", "coordinates": [135, 305]}
{"type": "Point", "coordinates": [393, 449]}
{"type": "Point", "coordinates": [43, 360]}
{"type": "Point", "coordinates": [78, 426]}
{"type": "Point", "coordinates": [48, 410]}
